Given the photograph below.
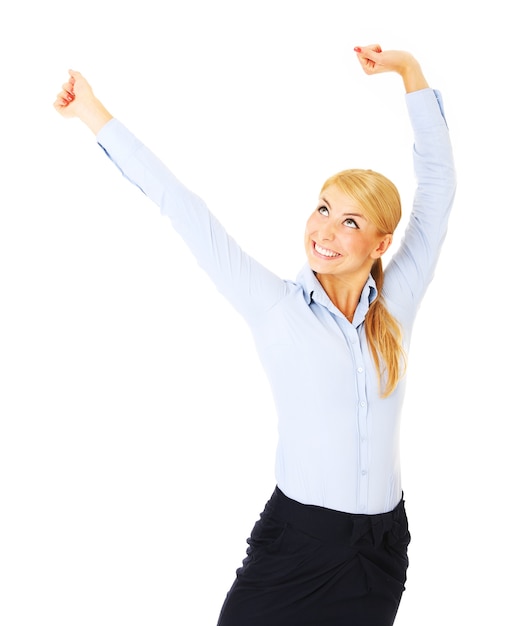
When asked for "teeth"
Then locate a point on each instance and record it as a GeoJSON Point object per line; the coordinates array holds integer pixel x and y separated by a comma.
{"type": "Point", "coordinates": [324, 251]}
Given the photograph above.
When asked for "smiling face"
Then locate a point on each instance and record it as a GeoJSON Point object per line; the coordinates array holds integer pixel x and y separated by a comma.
{"type": "Point", "coordinates": [339, 238]}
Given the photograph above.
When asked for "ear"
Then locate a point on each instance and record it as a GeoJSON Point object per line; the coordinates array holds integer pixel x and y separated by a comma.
{"type": "Point", "coordinates": [382, 246]}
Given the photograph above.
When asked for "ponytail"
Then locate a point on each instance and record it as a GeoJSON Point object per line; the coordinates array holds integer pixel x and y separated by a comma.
{"type": "Point", "coordinates": [384, 338]}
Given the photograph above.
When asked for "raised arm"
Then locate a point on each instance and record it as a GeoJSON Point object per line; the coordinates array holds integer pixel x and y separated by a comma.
{"type": "Point", "coordinates": [248, 285]}
{"type": "Point", "coordinates": [412, 267]}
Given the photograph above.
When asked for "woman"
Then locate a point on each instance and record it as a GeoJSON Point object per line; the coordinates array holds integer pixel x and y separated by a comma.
{"type": "Point", "coordinates": [331, 545]}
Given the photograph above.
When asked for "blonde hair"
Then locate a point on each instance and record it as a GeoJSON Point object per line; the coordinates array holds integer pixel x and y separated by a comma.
{"type": "Point", "coordinates": [380, 200]}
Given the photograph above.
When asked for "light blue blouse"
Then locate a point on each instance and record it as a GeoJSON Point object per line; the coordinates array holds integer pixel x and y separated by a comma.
{"type": "Point", "coordinates": [338, 440]}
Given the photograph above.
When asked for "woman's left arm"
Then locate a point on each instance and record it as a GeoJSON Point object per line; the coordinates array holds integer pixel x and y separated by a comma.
{"type": "Point", "coordinates": [412, 267]}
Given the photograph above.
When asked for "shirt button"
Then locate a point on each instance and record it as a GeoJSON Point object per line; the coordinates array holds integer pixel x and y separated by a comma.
{"type": "Point", "coordinates": [363, 403]}
{"type": "Point", "coordinates": [359, 369]}
{"type": "Point", "coordinates": [364, 472]}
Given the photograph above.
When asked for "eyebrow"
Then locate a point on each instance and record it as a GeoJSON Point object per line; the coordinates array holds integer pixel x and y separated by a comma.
{"type": "Point", "coordinates": [326, 201]}
{"type": "Point", "coordinates": [346, 212]}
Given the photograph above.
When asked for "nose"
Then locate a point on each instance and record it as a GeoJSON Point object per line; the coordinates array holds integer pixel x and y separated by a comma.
{"type": "Point", "coordinates": [326, 231]}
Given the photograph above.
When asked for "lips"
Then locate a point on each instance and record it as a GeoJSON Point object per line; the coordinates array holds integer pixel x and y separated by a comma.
{"type": "Point", "coordinates": [325, 252]}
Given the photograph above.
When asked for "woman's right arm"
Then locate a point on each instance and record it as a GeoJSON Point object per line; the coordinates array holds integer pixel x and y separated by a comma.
{"type": "Point", "coordinates": [248, 285]}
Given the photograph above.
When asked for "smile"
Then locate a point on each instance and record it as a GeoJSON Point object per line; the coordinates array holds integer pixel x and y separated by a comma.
{"type": "Point", "coordinates": [329, 254]}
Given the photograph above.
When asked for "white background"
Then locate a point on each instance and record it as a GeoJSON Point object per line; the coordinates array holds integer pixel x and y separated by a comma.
{"type": "Point", "coordinates": [137, 431]}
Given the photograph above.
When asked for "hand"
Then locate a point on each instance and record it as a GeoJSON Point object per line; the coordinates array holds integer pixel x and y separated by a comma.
{"type": "Point", "coordinates": [78, 100]}
{"type": "Point", "coordinates": [374, 60]}
{"type": "Point", "coordinates": [76, 94]}
{"type": "Point", "coordinates": [64, 98]}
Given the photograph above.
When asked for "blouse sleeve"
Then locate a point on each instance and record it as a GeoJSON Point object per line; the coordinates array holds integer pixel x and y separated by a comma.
{"type": "Point", "coordinates": [412, 267]}
{"type": "Point", "coordinates": [248, 285]}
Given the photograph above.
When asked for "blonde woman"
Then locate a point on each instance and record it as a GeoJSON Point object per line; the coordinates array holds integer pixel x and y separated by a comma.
{"type": "Point", "coordinates": [330, 547]}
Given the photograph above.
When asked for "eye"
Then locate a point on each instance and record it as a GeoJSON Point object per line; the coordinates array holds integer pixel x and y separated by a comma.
{"type": "Point", "coordinates": [323, 210]}
{"type": "Point", "coordinates": [350, 223]}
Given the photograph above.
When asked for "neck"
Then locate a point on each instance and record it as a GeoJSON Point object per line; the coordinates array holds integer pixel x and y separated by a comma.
{"type": "Point", "coordinates": [344, 293]}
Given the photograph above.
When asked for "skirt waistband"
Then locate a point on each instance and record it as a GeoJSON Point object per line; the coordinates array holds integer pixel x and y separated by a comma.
{"type": "Point", "coordinates": [329, 525]}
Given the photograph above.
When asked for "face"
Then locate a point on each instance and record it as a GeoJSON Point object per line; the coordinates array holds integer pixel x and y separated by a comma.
{"type": "Point", "coordinates": [339, 239]}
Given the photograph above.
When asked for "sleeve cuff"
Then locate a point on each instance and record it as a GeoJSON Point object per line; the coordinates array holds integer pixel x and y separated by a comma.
{"type": "Point", "coordinates": [117, 141]}
{"type": "Point", "coordinates": [425, 108]}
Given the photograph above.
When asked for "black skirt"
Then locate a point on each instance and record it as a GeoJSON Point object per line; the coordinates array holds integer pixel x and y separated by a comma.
{"type": "Point", "coordinates": [311, 566]}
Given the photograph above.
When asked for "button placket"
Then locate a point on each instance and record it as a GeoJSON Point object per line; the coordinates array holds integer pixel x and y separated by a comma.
{"type": "Point", "coordinates": [362, 425]}
{"type": "Point", "coordinates": [352, 337]}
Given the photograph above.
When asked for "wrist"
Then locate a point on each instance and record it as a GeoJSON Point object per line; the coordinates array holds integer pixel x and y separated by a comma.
{"type": "Point", "coordinates": [412, 76]}
{"type": "Point", "coordinates": [93, 113]}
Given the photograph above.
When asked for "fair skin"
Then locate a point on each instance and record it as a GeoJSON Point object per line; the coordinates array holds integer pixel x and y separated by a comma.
{"type": "Point", "coordinates": [341, 244]}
